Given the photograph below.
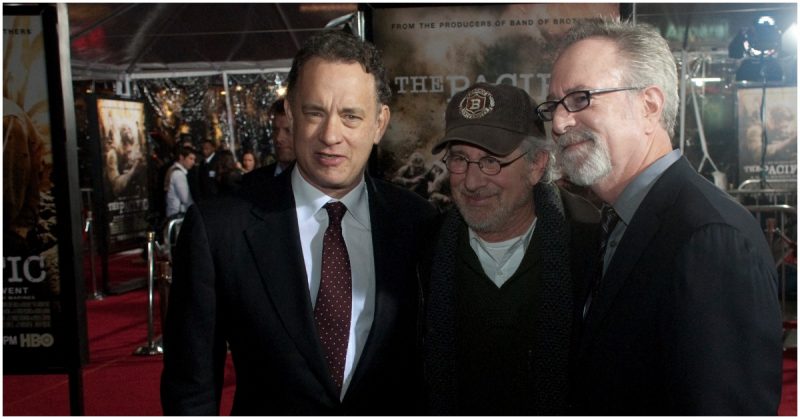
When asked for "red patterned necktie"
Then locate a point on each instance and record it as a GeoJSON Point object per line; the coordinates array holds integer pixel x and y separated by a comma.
{"type": "Point", "coordinates": [332, 310]}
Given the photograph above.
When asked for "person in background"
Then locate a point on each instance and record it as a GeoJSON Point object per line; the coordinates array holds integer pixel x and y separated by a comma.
{"type": "Point", "coordinates": [176, 184]}
{"type": "Point", "coordinates": [283, 143]}
{"type": "Point", "coordinates": [506, 266]}
{"type": "Point", "coordinates": [682, 314]}
{"type": "Point", "coordinates": [228, 176]}
{"type": "Point", "coordinates": [309, 279]}
{"type": "Point", "coordinates": [249, 162]}
{"type": "Point", "coordinates": [207, 174]}
{"type": "Point", "coordinates": [194, 173]}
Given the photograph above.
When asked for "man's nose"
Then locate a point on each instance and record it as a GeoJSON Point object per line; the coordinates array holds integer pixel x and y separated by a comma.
{"type": "Point", "coordinates": [562, 120]}
{"type": "Point", "coordinates": [474, 178]}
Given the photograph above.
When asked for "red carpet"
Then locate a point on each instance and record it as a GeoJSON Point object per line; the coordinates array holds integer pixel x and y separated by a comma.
{"type": "Point", "coordinates": [117, 383]}
{"type": "Point", "coordinates": [124, 268]}
{"type": "Point", "coordinates": [788, 405]}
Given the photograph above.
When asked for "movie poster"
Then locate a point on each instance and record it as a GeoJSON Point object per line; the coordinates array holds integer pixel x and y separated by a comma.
{"type": "Point", "coordinates": [432, 53]}
{"type": "Point", "coordinates": [781, 128]}
{"type": "Point", "coordinates": [121, 132]}
{"type": "Point", "coordinates": [31, 276]}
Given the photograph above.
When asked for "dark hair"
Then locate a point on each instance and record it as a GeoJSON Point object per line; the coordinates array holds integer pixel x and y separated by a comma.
{"type": "Point", "coordinates": [225, 162]}
{"type": "Point", "coordinates": [255, 158]}
{"type": "Point", "coordinates": [185, 151]}
{"type": "Point", "coordinates": [340, 46]}
{"type": "Point", "coordinates": [277, 108]}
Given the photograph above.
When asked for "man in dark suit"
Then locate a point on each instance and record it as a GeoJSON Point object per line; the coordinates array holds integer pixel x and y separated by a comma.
{"type": "Point", "coordinates": [283, 144]}
{"type": "Point", "coordinates": [685, 319]}
{"type": "Point", "coordinates": [310, 279]}
{"type": "Point", "coordinates": [206, 172]}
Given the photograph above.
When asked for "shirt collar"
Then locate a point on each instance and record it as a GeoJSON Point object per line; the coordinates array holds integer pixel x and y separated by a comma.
{"type": "Point", "coordinates": [310, 200]}
{"type": "Point", "coordinates": [514, 242]}
{"type": "Point", "coordinates": [633, 194]}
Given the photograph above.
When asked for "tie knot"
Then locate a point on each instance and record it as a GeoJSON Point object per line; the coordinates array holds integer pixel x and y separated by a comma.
{"type": "Point", "coordinates": [336, 211]}
{"type": "Point", "coordinates": [608, 218]}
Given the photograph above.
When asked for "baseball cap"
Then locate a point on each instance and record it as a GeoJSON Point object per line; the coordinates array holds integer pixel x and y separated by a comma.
{"type": "Point", "coordinates": [494, 117]}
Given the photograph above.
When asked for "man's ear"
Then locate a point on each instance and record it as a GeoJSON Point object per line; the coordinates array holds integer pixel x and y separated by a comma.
{"type": "Point", "coordinates": [383, 122]}
{"type": "Point", "coordinates": [653, 107]}
{"type": "Point", "coordinates": [538, 166]}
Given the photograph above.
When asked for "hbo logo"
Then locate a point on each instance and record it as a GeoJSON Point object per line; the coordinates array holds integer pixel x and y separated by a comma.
{"type": "Point", "coordinates": [36, 340]}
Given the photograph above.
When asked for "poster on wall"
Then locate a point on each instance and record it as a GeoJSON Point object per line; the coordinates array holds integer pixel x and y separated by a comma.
{"type": "Point", "coordinates": [432, 53]}
{"type": "Point", "coordinates": [121, 141]}
{"type": "Point", "coordinates": [40, 310]}
{"type": "Point", "coordinates": [780, 116]}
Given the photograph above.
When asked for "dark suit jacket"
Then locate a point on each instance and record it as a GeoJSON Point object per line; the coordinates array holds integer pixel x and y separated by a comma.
{"type": "Point", "coordinates": [239, 278]}
{"type": "Point", "coordinates": [687, 320]}
{"type": "Point", "coordinates": [262, 174]}
{"type": "Point", "coordinates": [206, 178]}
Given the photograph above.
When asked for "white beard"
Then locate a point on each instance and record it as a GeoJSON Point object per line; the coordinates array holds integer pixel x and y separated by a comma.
{"type": "Point", "coordinates": [587, 164]}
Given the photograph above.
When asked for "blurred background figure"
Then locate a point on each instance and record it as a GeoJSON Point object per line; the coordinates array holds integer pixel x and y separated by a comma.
{"type": "Point", "coordinates": [283, 143]}
{"type": "Point", "coordinates": [176, 184]}
{"type": "Point", "coordinates": [228, 175]}
{"type": "Point", "coordinates": [249, 162]}
{"type": "Point", "coordinates": [206, 174]}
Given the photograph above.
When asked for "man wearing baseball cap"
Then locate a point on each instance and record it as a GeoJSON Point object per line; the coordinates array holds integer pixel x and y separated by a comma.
{"type": "Point", "coordinates": [506, 264]}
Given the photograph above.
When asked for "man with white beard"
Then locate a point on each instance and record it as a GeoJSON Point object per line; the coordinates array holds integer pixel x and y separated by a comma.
{"type": "Point", "coordinates": [682, 315]}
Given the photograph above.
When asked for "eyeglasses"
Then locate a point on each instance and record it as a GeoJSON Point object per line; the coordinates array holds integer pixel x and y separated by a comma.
{"type": "Point", "coordinates": [458, 164]}
{"type": "Point", "coordinates": [574, 101]}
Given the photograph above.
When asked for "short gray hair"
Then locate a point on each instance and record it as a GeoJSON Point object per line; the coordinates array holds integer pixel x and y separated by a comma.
{"type": "Point", "coordinates": [650, 61]}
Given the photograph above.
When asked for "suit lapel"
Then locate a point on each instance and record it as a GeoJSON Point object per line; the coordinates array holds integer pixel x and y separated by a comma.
{"type": "Point", "coordinates": [386, 282]}
{"type": "Point", "coordinates": [642, 230]}
{"type": "Point", "coordinates": [275, 246]}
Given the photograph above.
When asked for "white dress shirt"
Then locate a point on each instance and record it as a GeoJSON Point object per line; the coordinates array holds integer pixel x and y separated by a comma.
{"type": "Point", "coordinates": [312, 221]}
{"type": "Point", "coordinates": [179, 199]}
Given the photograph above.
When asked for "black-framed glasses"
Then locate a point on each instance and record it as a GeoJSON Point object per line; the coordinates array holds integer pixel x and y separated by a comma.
{"type": "Point", "coordinates": [458, 164]}
{"type": "Point", "coordinates": [574, 101]}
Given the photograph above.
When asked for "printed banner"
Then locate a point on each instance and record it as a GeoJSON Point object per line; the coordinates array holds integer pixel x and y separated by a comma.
{"type": "Point", "coordinates": [120, 124]}
{"type": "Point", "coordinates": [31, 277]}
{"type": "Point", "coordinates": [433, 53]}
{"type": "Point", "coordinates": [780, 116]}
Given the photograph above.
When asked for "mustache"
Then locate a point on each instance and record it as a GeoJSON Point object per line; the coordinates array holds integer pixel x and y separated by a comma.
{"type": "Point", "coordinates": [481, 193]}
{"type": "Point", "coordinates": [574, 137]}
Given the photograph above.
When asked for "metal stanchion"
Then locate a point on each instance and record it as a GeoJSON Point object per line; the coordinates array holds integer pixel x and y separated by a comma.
{"type": "Point", "coordinates": [88, 228]}
{"type": "Point", "coordinates": [152, 348]}
{"type": "Point", "coordinates": [164, 280]}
